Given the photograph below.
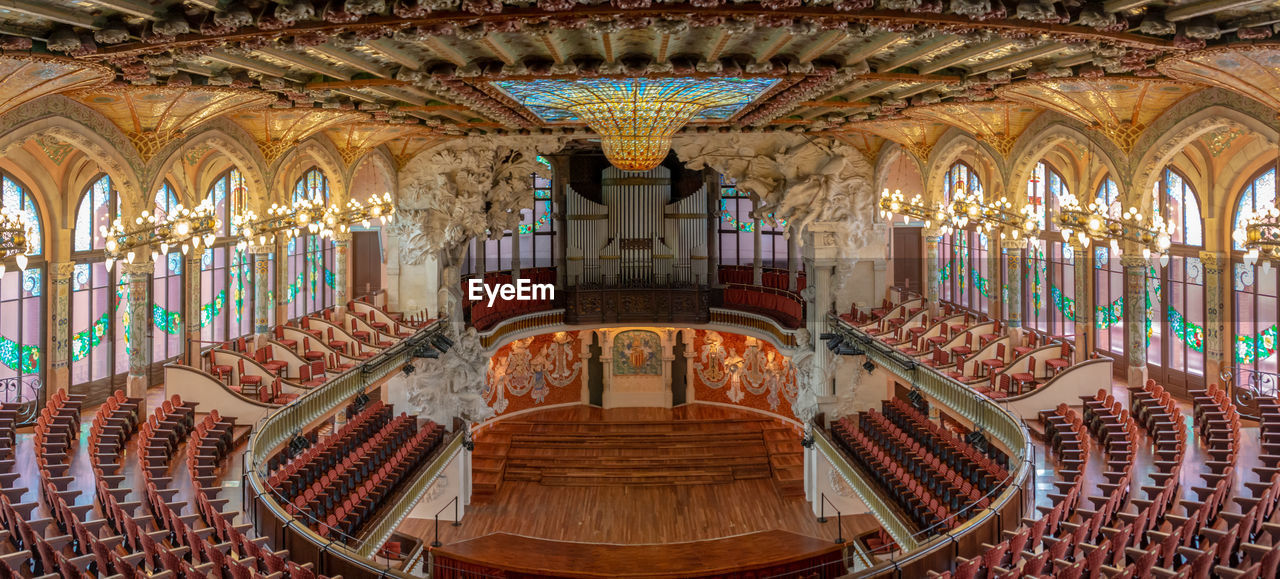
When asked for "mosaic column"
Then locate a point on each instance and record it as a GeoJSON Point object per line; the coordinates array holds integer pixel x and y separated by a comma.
{"type": "Point", "coordinates": [60, 357]}
{"type": "Point", "coordinates": [995, 285]}
{"type": "Point", "coordinates": [281, 250]}
{"type": "Point", "coordinates": [261, 287]}
{"type": "Point", "coordinates": [1013, 250]}
{"type": "Point", "coordinates": [1214, 265]}
{"type": "Point", "coordinates": [932, 275]}
{"type": "Point", "coordinates": [1084, 309]}
{"type": "Point", "coordinates": [195, 307]}
{"type": "Point", "coordinates": [139, 283]}
{"type": "Point", "coordinates": [341, 251]}
{"type": "Point", "coordinates": [1135, 316]}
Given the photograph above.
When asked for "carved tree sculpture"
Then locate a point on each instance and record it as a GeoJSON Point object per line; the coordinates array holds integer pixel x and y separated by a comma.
{"type": "Point", "coordinates": [453, 384]}
{"type": "Point", "coordinates": [798, 179]}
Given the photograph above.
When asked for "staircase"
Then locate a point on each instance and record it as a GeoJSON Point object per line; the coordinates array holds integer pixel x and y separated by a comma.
{"type": "Point", "coordinates": [637, 453]}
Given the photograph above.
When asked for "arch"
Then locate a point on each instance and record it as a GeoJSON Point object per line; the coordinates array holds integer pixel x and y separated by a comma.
{"type": "Point", "coordinates": [227, 138]}
{"type": "Point", "coordinates": [897, 167]}
{"type": "Point", "coordinates": [1181, 203]}
{"type": "Point", "coordinates": [1052, 131]}
{"type": "Point", "coordinates": [88, 218]}
{"type": "Point", "coordinates": [15, 196]}
{"type": "Point", "coordinates": [1186, 131]}
{"type": "Point", "coordinates": [1258, 192]}
{"type": "Point", "coordinates": [957, 145]}
{"type": "Point", "coordinates": [381, 161]}
{"type": "Point", "coordinates": [313, 152]}
{"type": "Point", "coordinates": [90, 133]}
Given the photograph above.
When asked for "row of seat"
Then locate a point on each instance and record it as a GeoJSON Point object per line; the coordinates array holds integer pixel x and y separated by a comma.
{"type": "Point", "coordinates": [981, 469]}
{"type": "Point", "coordinates": [291, 476]}
{"type": "Point", "coordinates": [926, 509]}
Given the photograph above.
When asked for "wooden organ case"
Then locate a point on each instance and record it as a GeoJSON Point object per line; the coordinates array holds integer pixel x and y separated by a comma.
{"type": "Point", "coordinates": [637, 255]}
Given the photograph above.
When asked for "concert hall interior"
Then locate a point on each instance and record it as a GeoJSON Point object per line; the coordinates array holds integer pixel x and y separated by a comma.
{"type": "Point", "coordinates": [794, 289]}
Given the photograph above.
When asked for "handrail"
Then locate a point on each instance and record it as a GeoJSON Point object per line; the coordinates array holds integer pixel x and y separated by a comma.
{"type": "Point", "coordinates": [979, 409]}
{"type": "Point", "coordinates": [868, 494]}
{"type": "Point", "coordinates": [394, 514]}
{"type": "Point", "coordinates": [274, 429]}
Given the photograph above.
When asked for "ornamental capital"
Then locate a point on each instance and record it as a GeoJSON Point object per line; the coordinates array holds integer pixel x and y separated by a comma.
{"type": "Point", "coordinates": [140, 267]}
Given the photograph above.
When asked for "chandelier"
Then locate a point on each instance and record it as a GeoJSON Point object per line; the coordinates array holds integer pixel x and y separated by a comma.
{"type": "Point", "coordinates": [1259, 234]}
{"type": "Point", "coordinates": [636, 117]}
{"type": "Point", "coordinates": [1098, 223]}
{"type": "Point", "coordinates": [896, 204]}
{"type": "Point", "coordinates": [356, 212]}
{"type": "Point", "coordinates": [179, 227]}
{"type": "Point", "coordinates": [14, 230]}
{"type": "Point", "coordinates": [969, 207]}
{"type": "Point", "coordinates": [314, 217]}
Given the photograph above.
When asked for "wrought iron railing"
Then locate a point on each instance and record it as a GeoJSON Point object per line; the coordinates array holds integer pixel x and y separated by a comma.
{"type": "Point", "coordinates": [27, 392]}
{"type": "Point", "coordinates": [1247, 385]}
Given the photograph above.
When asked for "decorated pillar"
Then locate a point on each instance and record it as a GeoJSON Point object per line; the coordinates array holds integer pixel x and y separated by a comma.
{"type": "Point", "coordinates": [793, 265]}
{"type": "Point", "coordinates": [139, 348]}
{"type": "Point", "coordinates": [60, 357]}
{"type": "Point", "coordinates": [281, 249]}
{"type": "Point", "coordinates": [1216, 339]}
{"type": "Point", "coordinates": [1084, 308]}
{"type": "Point", "coordinates": [341, 263]}
{"type": "Point", "coordinates": [1013, 250]}
{"type": "Point", "coordinates": [261, 288]}
{"type": "Point", "coordinates": [194, 310]}
{"type": "Point", "coordinates": [932, 276]}
{"type": "Point", "coordinates": [995, 283]}
{"type": "Point", "coordinates": [1135, 316]}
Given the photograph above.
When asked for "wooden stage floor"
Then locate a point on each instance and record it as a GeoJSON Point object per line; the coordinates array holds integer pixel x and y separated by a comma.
{"type": "Point", "coordinates": [633, 515]}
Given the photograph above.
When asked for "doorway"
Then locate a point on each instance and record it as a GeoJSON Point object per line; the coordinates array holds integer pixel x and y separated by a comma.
{"type": "Point", "coordinates": [908, 258]}
{"type": "Point", "coordinates": [366, 263]}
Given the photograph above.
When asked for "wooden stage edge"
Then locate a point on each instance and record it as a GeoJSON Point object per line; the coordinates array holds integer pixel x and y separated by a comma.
{"type": "Point", "coordinates": [782, 551]}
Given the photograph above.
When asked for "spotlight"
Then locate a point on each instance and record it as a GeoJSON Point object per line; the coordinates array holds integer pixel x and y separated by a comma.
{"type": "Point", "coordinates": [834, 342]}
{"type": "Point", "coordinates": [441, 342]}
{"type": "Point", "coordinates": [868, 366]}
{"type": "Point", "coordinates": [408, 368]}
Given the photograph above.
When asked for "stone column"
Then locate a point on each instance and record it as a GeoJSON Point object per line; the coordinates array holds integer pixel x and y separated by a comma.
{"type": "Point", "coordinates": [1013, 250]}
{"type": "Point", "coordinates": [191, 278]}
{"type": "Point", "coordinates": [139, 348]}
{"type": "Point", "coordinates": [281, 250]}
{"type": "Point", "coordinates": [1083, 300]}
{"type": "Point", "coordinates": [60, 357]}
{"type": "Point", "coordinates": [261, 285]}
{"type": "Point", "coordinates": [515, 253]}
{"type": "Point", "coordinates": [712, 181]}
{"type": "Point", "coordinates": [1135, 316]}
{"type": "Point", "coordinates": [757, 264]}
{"type": "Point", "coordinates": [1216, 337]}
{"type": "Point", "coordinates": [932, 276]}
{"type": "Point", "coordinates": [341, 264]}
{"type": "Point", "coordinates": [995, 284]}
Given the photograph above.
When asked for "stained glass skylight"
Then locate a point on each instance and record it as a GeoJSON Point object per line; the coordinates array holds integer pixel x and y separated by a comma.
{"type": "Point", "coordinates": [635, 117]}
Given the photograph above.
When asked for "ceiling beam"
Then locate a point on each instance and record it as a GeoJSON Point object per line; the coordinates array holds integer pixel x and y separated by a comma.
{"type": "Point", "coordinates": [355, 94]}
{"type": "Point", "coordinates": [664, 42]}
{"type": "Point", "coordinates": [606, 46]}
{"type": "Point", "coordinates": [554, 50]}
{"type": "Point", "coordinates": [831, 104]}
{"type": "Point", "coordinates": [867, 91]}
{"type": "Point", "coordinates": [306, 62]}
{"type": "Point", "coordinates": [961, 56]}
{"type": "Point", "coordinates": [433, 108]}
{"type": "Point", "coordinates": [717, 43]}
{"type": "Point", "coordinates": [51, 12]}
{"type": "Point", "coordinates": [783, 38]}
{"type": "Point", "coordinates": [920, 52]}
{"type": "Point", "coordinates": [253, 65]}
{"type": "Point", "coordinates": [872, 46]}
{"type": "Point", "coordinates": [138, 8]}
{"type": "Point", "coordinates": [212, 5]}
{"type": "Point", "coordinates": [499, 49]}
{"type": "Point", "coordinates": [1018, 57]}
{"type": "Point", "coordinates": [823, 43]}
{"type": "Point", "coordinates": [1189, 11]}
{"type": "Point", "coordinates": [1122, 5]}
{"type": "Point", "coordinates": [915, 90]}
{"type": "Point", "coordinates": [445, 51]}
{"type": "Point", "coordinates": [351, 60]}
{"type": "Point", "coordinates": [388, 49]}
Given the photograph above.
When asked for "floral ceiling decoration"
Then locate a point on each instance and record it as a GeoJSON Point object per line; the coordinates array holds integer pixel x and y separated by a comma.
{"type": "Point", "coordinates": [277, 130]}
{"type": "Point", "coordinates": [1252, 70]}
{"type": "Point", "coordinates": [998, 123]}
{"type": "Point", "coordinates": [1119, 107]}
{"type": "Point", "coordinates": [28, 77]}
{"type": "Point", "coordinates": [152, 117]}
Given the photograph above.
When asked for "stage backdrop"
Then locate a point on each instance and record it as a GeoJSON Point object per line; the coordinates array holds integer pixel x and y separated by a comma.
{"type": "Point", "coordinates": [538, 371]}
{"type": "Point", "coordinates": [741, 370]}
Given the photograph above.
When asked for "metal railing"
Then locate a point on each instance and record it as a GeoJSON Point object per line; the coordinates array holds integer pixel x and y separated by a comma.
{"type": "Point", "coordinates": [271, 433]}
{"type": "Point", "coordinates": [883, 512]}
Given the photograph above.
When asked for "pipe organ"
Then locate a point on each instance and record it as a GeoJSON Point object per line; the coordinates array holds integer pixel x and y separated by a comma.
{"type": "Point", "coordinates": [636, 236]}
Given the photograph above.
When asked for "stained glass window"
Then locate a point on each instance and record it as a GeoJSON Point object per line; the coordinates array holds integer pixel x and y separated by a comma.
{"type": "Point", "coordinates": [310, 258]}
{"type": "Point", "coordinates": [21, 304]}
{"type": "Point", "coordinates": [1254, 289]}
{"type": "Point", "coordinates": [552, 100]}
{"type": "Point", "coordinates": [166, 288]}
{"type": "Point", "coordinates": [1176, 200]}
{"type": "Point", "coordinates": [1109, 299]}
{"type": "Point", "coordinates": [1260, 193]}
{"type": "Point", "coordinates": [966, 271]}
{"type": "Point", "coordinates": [1048, 286]}
{"type": "Point", "coordinates": [1108, 194]}
{"type": "Point", "coordinates": [99, 328]}
{"type": "Point", "coordinates": [226, 274]}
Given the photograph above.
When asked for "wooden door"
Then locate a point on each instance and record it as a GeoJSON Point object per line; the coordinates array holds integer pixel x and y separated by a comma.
{"type": "Point", "coordinates": [366, 263]}
{"type": "Point", "coordinates": [908, 259]}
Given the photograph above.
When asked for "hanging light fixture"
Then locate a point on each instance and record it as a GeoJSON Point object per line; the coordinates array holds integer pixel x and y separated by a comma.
{"type": "Point", "coordinates": [968, 207]}
{"type": "Point", "coordinates": [1098, 222]}
{"type": "Point", "coordinates": [896, 204]}
{"type": "Point", "coordinates": [15, 230]}
{"type": "Point", "coordinates": [636, 117]}
{"type": "Point", "coordinates": [179, 227]}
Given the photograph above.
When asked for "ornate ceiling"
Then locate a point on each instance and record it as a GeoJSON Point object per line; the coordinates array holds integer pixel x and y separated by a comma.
{"type": "Point", "coordinates": [839, 66]}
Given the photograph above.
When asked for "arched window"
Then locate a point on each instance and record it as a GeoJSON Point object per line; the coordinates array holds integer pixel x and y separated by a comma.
{"type": "Point", "coordinates": [537, 233]}
{"type": "Point", "coordinates": [21, 304]}
{"type": "Point", "coordinates": [1108, 285]}
{"type": "Point", "coordinates": [226, 273]}
{"type": "Point", "coordinates": [310, 258]}
{"type": "Point", "coordinates": [166, 288]}
{"type": "Point", "coordinates": [1254, 293]}
{"type": "Point", "coordinates": [965, 252]}
{"type": "Point", "coordinates": [99, 321]}
{"type": "Point", "coordinates": [1175, 293]}
{"type": "Point", "coordinates": [1048, 289]}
